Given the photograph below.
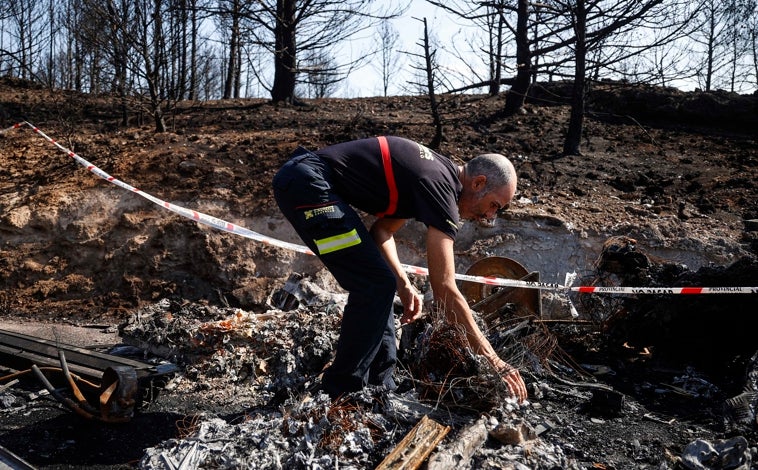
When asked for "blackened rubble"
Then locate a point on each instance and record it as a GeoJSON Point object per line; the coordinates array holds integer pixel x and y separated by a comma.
{"type": "Point", "coordinates": [710, 333]}
{"type": "Point", "coordinates": [269, 363]}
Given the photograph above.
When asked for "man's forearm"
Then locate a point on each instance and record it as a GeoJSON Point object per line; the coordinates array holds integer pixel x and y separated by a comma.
{"type": "Point", "coordinates": [383, 234]}
{"type": "Point", "coordinates": [458, 311]}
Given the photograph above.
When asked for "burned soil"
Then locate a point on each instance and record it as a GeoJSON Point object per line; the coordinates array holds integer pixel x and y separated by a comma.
{"type": "Point", "coordinates": [634, 381]}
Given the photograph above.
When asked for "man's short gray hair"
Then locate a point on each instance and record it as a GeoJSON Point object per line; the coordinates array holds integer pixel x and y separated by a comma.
{"type": "Point", "coordinates": [497, 168]}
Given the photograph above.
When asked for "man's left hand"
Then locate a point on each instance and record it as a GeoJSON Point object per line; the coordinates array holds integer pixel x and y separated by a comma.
{"type": "Point", "coordinates": [512, 378]}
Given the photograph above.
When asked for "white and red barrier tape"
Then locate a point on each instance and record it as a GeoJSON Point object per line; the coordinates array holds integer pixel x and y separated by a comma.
{"type": "Point", "coordinates": [494, 281]}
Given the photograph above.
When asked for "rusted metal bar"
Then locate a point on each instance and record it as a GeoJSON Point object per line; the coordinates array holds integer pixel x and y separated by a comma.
{"type": "Point", "coordinates": [118, 394]}
{"type": "Point", "coordinates": [72, 383]}
{"type": "Point", "coordinates": [416, 446]}
{"type": "Point", "coordinates": [20, 352]}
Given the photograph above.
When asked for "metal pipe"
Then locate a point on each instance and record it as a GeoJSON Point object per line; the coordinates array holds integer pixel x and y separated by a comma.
{"type": "Point", "coordinates": [65, 401]}
{"type": "Point", "coordinates": [74, 388]}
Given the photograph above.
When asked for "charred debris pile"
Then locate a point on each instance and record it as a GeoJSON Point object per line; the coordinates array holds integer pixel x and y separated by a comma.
{"type": "Point", "coordinates": [633, 382]}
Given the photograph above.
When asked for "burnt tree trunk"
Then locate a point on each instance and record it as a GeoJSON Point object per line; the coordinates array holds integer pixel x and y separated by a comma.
{"type": "Point", "coordinates": [285, 53]}
{"type": "Point", "coordinates": [433, 103]}
{"type": "Point", "coordinates": [234, 45]}
{"type": "Point", "coordinates": [517, 94]}
{"type": "Point", "coordinates": [576, 122]}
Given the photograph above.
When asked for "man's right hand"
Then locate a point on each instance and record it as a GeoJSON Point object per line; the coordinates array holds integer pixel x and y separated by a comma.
{"type": "Point", "coordinates": [412, 303]}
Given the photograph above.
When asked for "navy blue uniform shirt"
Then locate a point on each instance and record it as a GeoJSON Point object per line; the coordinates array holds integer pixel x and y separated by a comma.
{"type": "Point", "coordinates": [427, 182]}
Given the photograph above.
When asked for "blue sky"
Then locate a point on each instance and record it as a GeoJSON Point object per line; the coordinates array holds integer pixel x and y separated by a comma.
{"type": "Point", "coordinates": [366, 81]}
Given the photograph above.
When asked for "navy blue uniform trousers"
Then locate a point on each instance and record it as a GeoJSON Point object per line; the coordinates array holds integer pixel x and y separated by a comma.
{"type": "Point", "coordinates": [366, 351]}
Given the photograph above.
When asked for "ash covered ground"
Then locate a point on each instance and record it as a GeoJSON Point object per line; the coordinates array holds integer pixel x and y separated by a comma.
{"type": "Point", "coordinates": [633, 382]}
{"type": "Point", "coordinates": [246, 396]}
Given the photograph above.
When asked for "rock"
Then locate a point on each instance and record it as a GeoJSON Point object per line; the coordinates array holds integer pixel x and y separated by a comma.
{"type": "Point", "coordinates": [732, 454]}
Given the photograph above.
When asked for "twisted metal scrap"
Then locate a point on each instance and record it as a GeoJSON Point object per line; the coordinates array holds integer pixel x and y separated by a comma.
{"type": "Point", "coordinates": [447, 372]}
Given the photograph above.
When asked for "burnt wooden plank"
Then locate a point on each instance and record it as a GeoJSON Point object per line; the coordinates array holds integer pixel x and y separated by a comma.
{"type": "Point", "coordinates": [458, 453]}
{"type": "Point", "coordinates": [416, 446]}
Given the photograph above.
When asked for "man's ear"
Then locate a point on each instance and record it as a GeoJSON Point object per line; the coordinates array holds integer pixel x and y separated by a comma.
{"type": "Point", "coordinates": [478, 182]}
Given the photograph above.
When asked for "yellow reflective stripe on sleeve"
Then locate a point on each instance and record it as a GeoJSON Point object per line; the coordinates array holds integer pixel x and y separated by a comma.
{"type": "Point", "coordinates": [337, 242]}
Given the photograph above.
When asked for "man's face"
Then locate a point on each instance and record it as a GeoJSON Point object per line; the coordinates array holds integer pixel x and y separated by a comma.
{"type": "Point", "coordinates": [483, 206]}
